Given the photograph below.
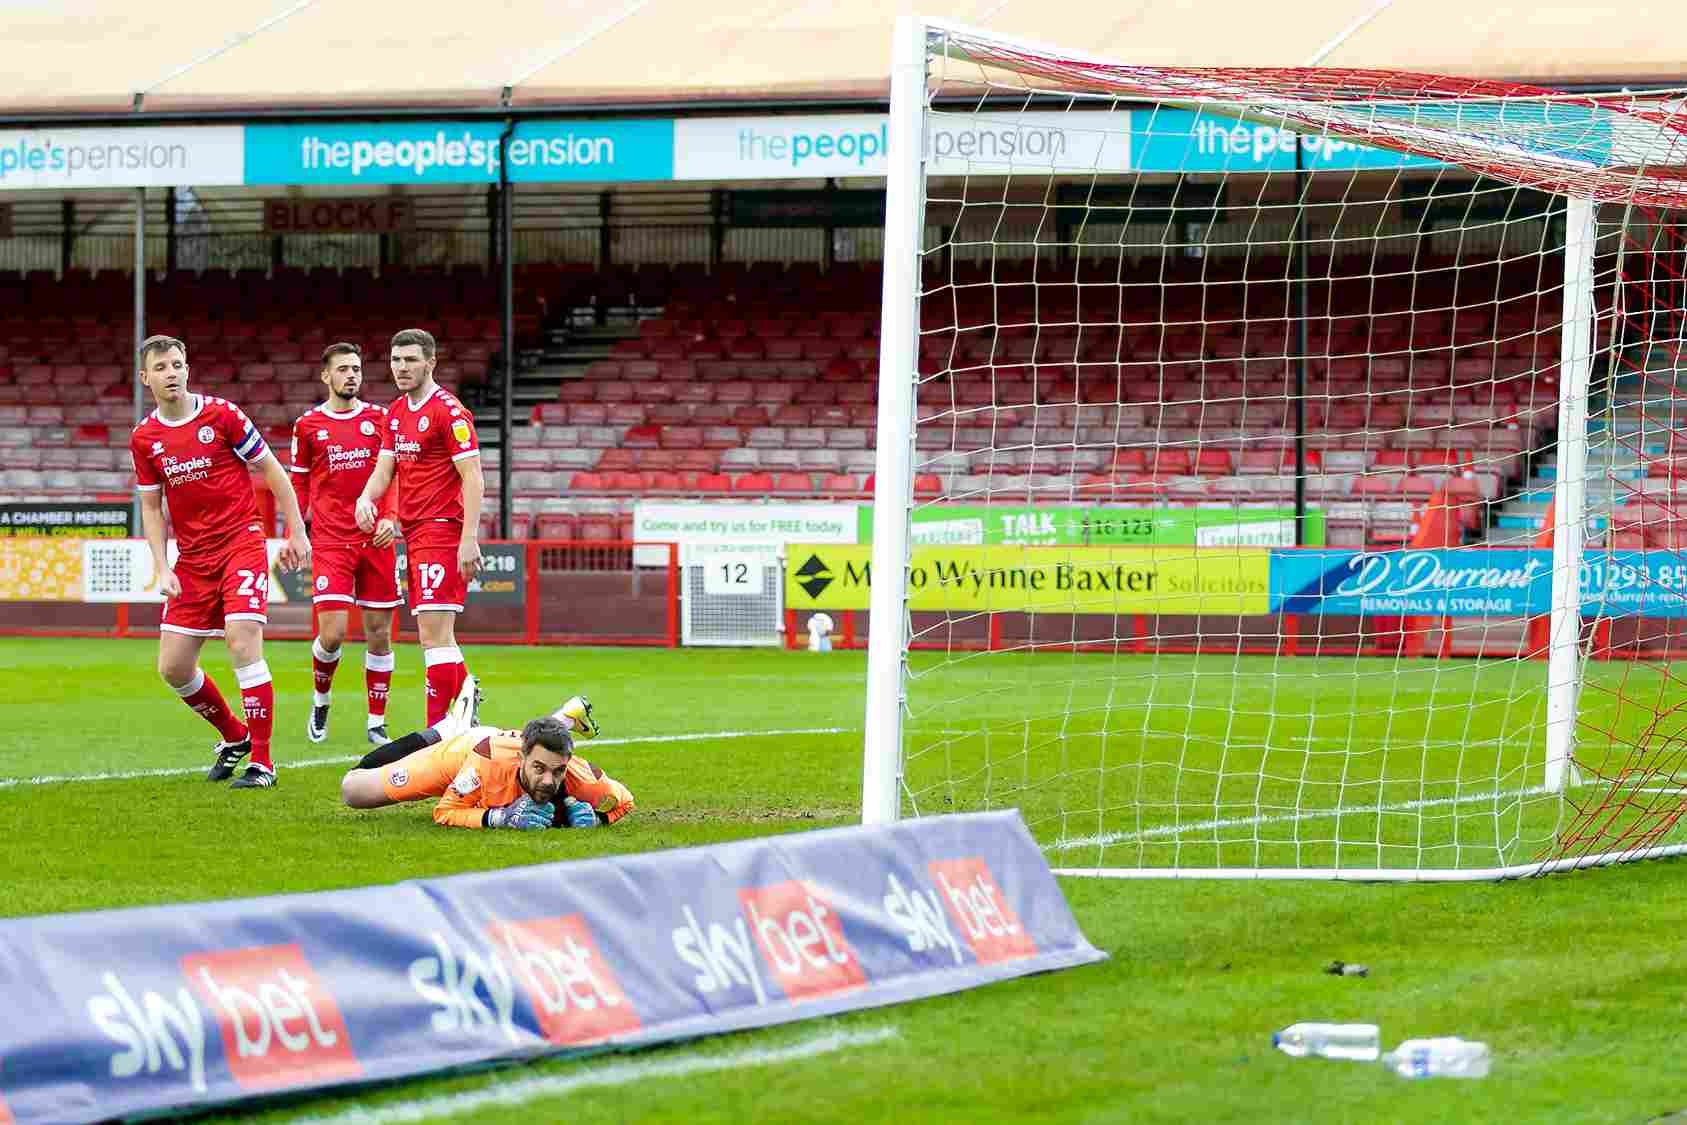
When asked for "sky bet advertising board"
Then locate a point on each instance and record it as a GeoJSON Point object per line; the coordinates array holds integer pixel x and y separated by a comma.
{"type": "Point", "coordinates": [183, 1008]}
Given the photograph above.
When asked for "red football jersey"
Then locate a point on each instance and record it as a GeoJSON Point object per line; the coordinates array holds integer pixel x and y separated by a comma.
{"type": "Point", "coordinates": [200, 463]}
{"type": "Point", "coordinates": [428, 440]}
{"type": "Point", "coordinates": [334, 455]}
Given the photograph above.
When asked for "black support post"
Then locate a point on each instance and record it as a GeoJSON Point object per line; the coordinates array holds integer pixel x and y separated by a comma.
{"type": "Point", "coordinates": [505, 227]}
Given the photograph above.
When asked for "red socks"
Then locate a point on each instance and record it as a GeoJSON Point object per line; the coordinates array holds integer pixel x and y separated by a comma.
{"type": "Point", "coordinates": [446, 673]}
{"type": "Point", "coordinates": [207, 702]}
{"type": "Point", "coordinates": [322, 666]}
{"type": "Point", "coordinates": [377, 678]}
{"type": "Point", "coordinates": [257, 699]}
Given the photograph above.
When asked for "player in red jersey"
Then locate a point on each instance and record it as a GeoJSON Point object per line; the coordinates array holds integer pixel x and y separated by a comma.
{"type": "Point", "coordinates": [431, 449]}
{"type": "Point", "coordinates": [335, 450]}
{"type": "Point", "coordinates": [193, 451]}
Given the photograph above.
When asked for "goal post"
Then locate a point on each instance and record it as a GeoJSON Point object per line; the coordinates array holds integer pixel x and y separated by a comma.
{"type": "Point", "coordinates": [1121, 305]}
{"type": "Point", "coordinates": [1570, 493]}
{"type": "Point", "coordinates": [893, 464]}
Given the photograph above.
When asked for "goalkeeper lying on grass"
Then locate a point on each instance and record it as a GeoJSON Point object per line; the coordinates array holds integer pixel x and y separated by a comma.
{"type": "Point", "coordinates": [490, 778]}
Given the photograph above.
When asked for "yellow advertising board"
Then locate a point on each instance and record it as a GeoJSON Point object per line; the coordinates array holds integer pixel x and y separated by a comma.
{"type": "Point", "coordinates": [1070, 579]}
{"type": "Point", "coordinates": [41, 570]}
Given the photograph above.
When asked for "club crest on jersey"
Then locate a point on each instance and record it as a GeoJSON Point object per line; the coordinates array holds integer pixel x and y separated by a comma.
{"type": "Point", "coordinates": [207, 435]}
{"type": "Point", "coordinates": [322, 582]}
{"type": "Point", "coordinates": [460, 431]}
{"type": "Point", "coordinates": [366, 428]}
{"type": "Point", "coordinates": [422, 425]}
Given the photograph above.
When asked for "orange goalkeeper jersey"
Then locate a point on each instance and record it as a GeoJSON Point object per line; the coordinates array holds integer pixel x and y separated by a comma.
{"type": "Point", "coordinates": [478, 770]}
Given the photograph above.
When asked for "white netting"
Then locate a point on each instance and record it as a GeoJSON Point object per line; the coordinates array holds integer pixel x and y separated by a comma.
{"type": "Point", "coordinates": [1130, 308]}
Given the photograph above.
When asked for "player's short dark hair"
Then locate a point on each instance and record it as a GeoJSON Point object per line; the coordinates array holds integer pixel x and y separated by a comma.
{"type": "Point", "coordinates": [415, 337]}
{"type": "Point", "coordinates": [341, 348]}
{"type": "Point", "coordinates": [548, 733]}
{"type": "Point", "coordinates": [157, 344]}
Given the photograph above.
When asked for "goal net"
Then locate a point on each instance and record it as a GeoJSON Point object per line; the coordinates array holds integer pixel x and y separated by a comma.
{"type": "Point", "coordinates": [1277, 469]}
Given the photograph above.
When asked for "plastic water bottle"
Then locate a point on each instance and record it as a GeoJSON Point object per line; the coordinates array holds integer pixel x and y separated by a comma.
{"type": "Point", "coordinates": [1444, 1057]}
{"type": "Point", "coordinates": [1359, 1041]}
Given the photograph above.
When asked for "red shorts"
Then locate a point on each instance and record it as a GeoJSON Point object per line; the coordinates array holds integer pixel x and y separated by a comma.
{"type": "Point", "coordinates": [431, 568]}
{"type": "Point", "coordinates": [233, 586]}
{"type": "Point", "coordinates": [354, 572]}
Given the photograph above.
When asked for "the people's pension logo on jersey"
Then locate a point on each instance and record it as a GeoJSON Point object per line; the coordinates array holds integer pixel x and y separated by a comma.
{"type": "Point", "coordinates": [178, 471]}
{"type": "Point", "coordinates": [339, 457]}
{"type": "Point", "coordinates": [980, 911]}
{"type": "Point", "coordinates": [207, 435]}
{"type": "Point", "coordinates": [280, 1026]}
{"type": "Point", "coordinates": [574, 991]}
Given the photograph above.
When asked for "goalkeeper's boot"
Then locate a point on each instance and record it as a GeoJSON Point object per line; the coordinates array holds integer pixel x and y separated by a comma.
{"type": "Point", "coordinates": [378, 735]}
{"type": "Point", "coordinates": [228, 756]}
{"type": "Point", "coordinates": [578, 712]}
{"type": "Point", "coordinates": [316, 727]}
{"type": "Point", "coordinates": [255, 777]}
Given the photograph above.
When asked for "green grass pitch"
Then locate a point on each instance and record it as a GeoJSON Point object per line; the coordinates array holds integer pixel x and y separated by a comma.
{"type": "Point", "coordinates": [1574, 980]}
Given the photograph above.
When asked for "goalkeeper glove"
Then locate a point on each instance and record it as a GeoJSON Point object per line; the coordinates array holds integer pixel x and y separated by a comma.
{"type": "Point", "coordinates": [578, 711]}
{"type": "Point", "coordinates": [576, 814]}
{"type": "Point", "coordinates": [521, 814]}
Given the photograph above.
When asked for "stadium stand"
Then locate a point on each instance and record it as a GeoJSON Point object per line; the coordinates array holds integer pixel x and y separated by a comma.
{"type": "Point", "coordinates": [760, 381]}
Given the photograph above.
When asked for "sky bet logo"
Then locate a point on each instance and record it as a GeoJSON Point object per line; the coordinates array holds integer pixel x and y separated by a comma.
{"type": "Point", "coordinates": [572, 988]}
{"type": "Point", "coordinates": [987, 923]}
{"type": "Point", "coordinates": [788, 929]}
{"type": "Point", "coordinates": [279, 1025]}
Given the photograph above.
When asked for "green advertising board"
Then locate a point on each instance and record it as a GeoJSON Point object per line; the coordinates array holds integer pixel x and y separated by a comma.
{"type": "Point", "coordinates": [1047, 525]}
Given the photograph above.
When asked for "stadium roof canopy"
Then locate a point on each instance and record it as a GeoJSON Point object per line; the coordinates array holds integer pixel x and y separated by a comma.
{"type": "Point", "coordinates": [69, 57]}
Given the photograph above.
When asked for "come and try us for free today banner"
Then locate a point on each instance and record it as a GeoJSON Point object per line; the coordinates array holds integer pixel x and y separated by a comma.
{"type": "Point", "coordinates": [1444, 582]}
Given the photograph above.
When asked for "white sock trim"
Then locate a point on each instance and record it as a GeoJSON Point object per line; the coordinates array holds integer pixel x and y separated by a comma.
{"type": "Point", "coordinates": [450, 654]}
{"type": "Point", "coordinates": [192, 685]}
{"type": "Point", "coordinates": [378, 662]}
{"type": "Point", "coordinates": [252, 675]}
{"type": "Point", "coordinates": [377, 721]}
{"type": "Point", "coordinates": [323, 654]}
{"type": "Point", "coordinates": [320, 698]}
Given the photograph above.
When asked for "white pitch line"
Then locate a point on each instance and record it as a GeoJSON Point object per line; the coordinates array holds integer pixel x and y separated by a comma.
{"type": "Point", "coordinates": [1165, 830]}
{"type": "Point", "coordinates": [622, 1073]}
{"type": "Point", "coordinates": [341, 759]}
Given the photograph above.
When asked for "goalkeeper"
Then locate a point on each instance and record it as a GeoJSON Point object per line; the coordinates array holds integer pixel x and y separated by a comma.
{"type": "Point", "coordinates": [484, 777]}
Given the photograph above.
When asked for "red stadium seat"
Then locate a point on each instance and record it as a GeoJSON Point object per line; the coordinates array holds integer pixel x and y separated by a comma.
{"type": "Point", "coordinates": [757, 483]}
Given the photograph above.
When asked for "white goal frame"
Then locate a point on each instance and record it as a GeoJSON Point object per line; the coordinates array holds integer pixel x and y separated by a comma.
{"type": "Point", "coordinates": [883, 750]}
